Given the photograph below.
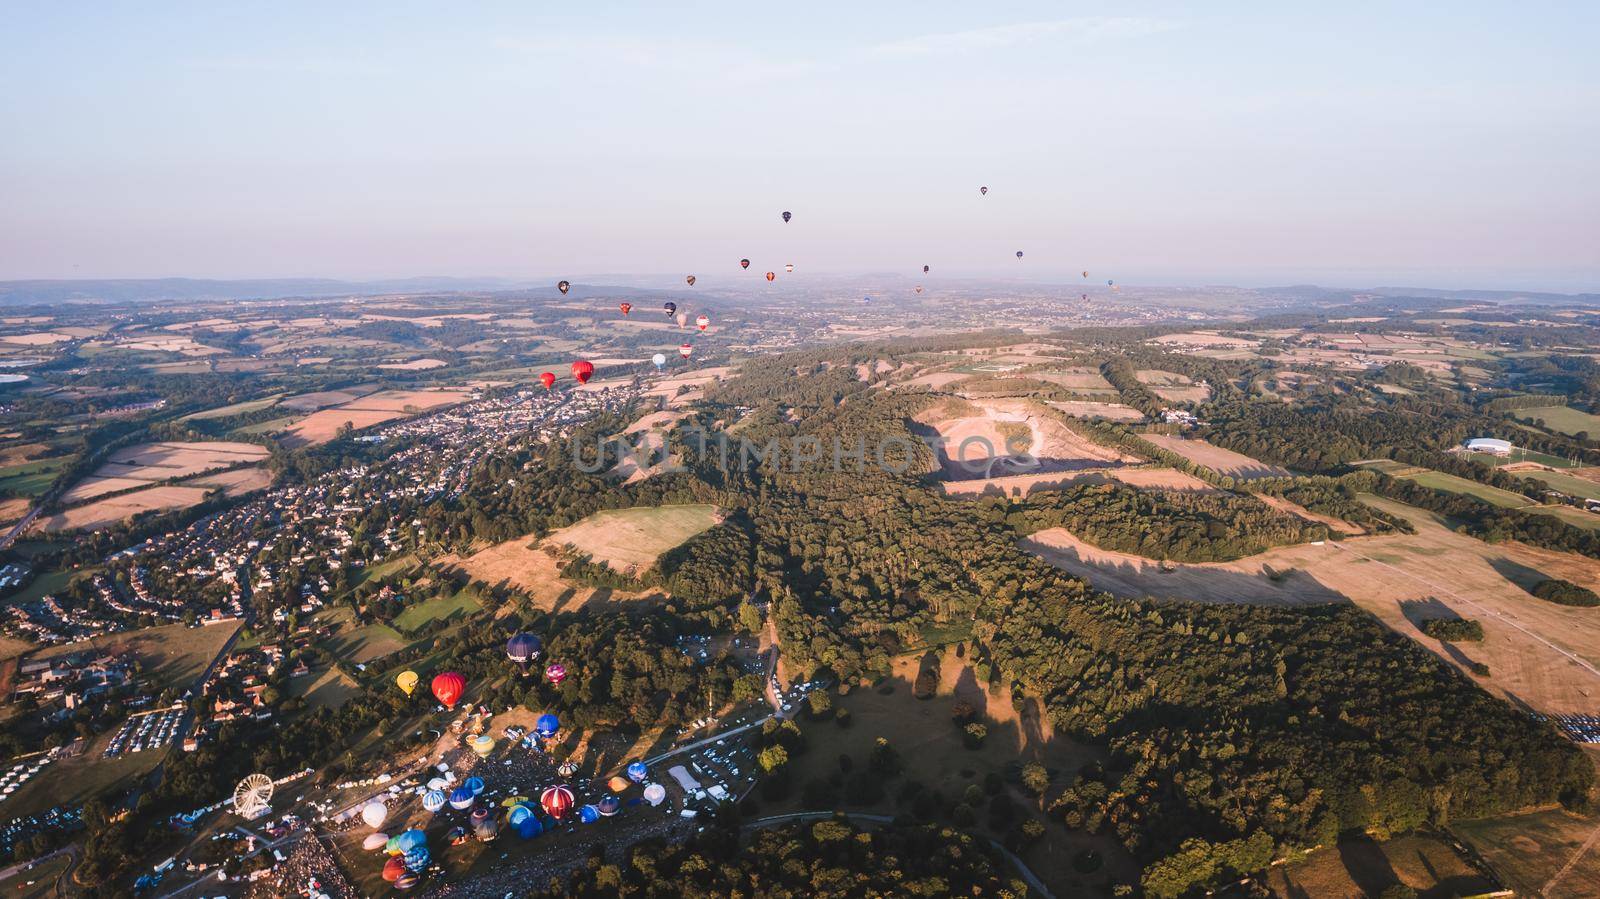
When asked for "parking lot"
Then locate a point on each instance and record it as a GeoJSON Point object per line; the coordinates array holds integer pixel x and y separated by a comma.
{"type": "Point", "coordinates": [1580, 728]}
{"type": "Point", "coordinates": [149, 730]}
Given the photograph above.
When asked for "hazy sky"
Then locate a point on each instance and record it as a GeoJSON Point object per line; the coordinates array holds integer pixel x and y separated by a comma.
{"type": "Point", "coordinates": [1248, 143]}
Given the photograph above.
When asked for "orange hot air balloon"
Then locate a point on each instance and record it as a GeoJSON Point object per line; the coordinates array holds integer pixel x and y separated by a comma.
{"type": "Point", "coordinates": [690, 279]}
{"type": "Point", "coordinates": [548, 379]}
{"type": "Point", "coordinates": [685, 351]}
{"type": "Point", "coordinates": [583, 370]}
{"type": "Point", "coordinates": [772, 276]}
{"type": "Point", "coordinates": [702, 322]}
{"type": "Point", "coordinates": [448, 687]}
{"type": "Point", "coordinates": [625, 307]}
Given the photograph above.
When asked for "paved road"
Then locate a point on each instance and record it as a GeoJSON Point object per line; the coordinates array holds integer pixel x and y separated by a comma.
{"type": "Point", "coordinates": [16, 530]}
{"type": "Point", "coordinates": [1508, 620]}
{"type": "Point", "coordinates": [1027, 873]}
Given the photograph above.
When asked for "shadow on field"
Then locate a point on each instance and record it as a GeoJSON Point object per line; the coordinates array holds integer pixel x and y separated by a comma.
{"type": "Point", "coordinates": [1517, 573]}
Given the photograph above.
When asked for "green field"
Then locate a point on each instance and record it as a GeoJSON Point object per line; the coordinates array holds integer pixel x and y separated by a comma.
{"type": "Point", "coordinates": [235, 409]}
{"type": "Point", "coordinates": [42, 877]}
{"type": "Point", "coordinates": [325, 689]}
{"type": "Point", "coordinates": [1562, 418]}
{"type": "Point", "coordinates": [31, 478]}
{"type": "Point", "coordinates": [415, 616]}
{"type": "Point", "coordinates": [1522, 455]}
{"type": "Point", "coordinates": [171, 655]}
{"type": "Point", "coordinates": [1571, 485]}
{"type": "Point", "coordinates": [267, 427]}
{"type": "Point", "coordinates": [1571, 515]}
{"type": "Point", "coordinates": [42, 583]}
{"type": "Point", "coordinates": [1449, 483]}
{"type": "Point", "coordinates": [632, 539]}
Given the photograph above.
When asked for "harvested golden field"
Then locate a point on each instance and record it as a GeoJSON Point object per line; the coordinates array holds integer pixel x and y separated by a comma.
{"type": "Point", "coordinates": [106, 512]}
{"type": "Point", "coordinates": [525, 565]}
{"type": "Point", "coordinates": [236, 482]}
{"type": "Point", "coordinates": [1224, 462]}
{"type": "Point", "coordinates": [1082, 379]}
{"type": "Point", "coordinates": [164, 461]}
{"type": "Point", "coordinates": [1108, 411]}
{"type": "Point", "coordinates": [1540, 655]}
{"type": "Point", "coordinates": [1202, 338]}
{"type": "Point", "coordinates": [364, 412]}
{"type": "Point", "coordinates": [415, 365]}
{"type": "Point", "coordinates": [1173, 387]}
{"type": "Point", "coordinates": [630, 540]}
{"type": "Point", "coordinates": [1549, 853]}
{"type": "Point", "coordinates": [996, 438]}
{"type": "Point", "coordinates": [13, 509]}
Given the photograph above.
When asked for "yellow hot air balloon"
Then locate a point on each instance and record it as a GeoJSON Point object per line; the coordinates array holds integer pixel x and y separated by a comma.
{"type": "Point", "coordinates": [483, 745]}
{"type": "Point", "coordinates": [407, 681]}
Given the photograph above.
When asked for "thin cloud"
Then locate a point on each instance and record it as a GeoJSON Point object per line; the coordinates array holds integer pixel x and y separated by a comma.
{"type": "Point", "coordinates": [1082, 30]}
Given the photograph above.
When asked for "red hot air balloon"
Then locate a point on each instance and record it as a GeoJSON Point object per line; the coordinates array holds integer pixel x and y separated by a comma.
{"type": "Point", "coordinates": [685, 351]}
{"type": "Point", "coordinates": [556, 672]}
{"type": "Point", "coordinates": [448, 687]}
{"type": "Point", "coordinates": [563, 287]}
{"type": "Point", "coordinates": [583, 370]}
{"type": "Point", "coordinates": [744, 263]}
{"type": "Point", "coordinates": [548, 379]}
{"type": "Point", "coordinates": [557, 801]}
{"type": "Point", "coordinates": [772, 276]}
{"type": "Point", "coordinates": [702, 322]}
{"type": "Point", "coordinates": [625, 307]}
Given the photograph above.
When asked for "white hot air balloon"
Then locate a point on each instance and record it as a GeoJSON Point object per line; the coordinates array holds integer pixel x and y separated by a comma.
{"type": "Point", "coordinates": [374, 813]}
{"type": "Point", "coordinates": [655, 794]}
{"type": "Point", "coordinates": [660, 360]}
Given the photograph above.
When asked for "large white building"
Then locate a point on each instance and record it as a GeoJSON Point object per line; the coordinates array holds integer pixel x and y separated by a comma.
{"type": "Point", "coordinates": [1490, 445]}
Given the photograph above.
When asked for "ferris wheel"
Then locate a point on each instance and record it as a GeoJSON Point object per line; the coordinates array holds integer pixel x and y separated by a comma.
{"type": "Point", "coordinates": [251, 796]}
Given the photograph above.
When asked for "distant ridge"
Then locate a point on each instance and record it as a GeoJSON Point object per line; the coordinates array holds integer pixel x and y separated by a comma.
{"type": "Point", "coordinates": [141, 290]}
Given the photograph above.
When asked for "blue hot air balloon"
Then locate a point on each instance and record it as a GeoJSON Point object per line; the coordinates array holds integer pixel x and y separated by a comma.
{"type": "Point", "coordinates": [417, 859]}
{"type": "Point", "coordinates": [461, 798]}
{"type": "Point", "coordinates": [433, 800]}
{"type": "Point", "coordinates": [475, 784]}
{"type": "Point", "coordinates": [610, 805]}
{"type": "Point", "coordinates": [525, 821]}
{"type": "Point", "coordinates": [524, 648]}
{"type": "Point", "coordinates": [637, 772]}
{"type": "Point", "coordinates": [411, 839]}
{"type": "Point", "coordinates": [547, 725]}
{"type": "Point", "coordinates": [588, 814]}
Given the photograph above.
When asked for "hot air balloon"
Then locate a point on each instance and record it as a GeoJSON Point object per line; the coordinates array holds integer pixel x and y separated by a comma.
{"type": "Point", "coordinates": [548, 379]}
{"type": "Point", "coordinates": [685, 350]}
{"type": "Point", "coordinates": [528, 826]}
{"type": "Point", "coordinates": [557, 801]}
{"type": "Point", "coordinates": [567, 768]}
{"type": "Point", "coordinates": [660, 361]}
{"type": "Point", "coordinates": [406, 681]}
{"type": "Point", "coordinates": [618, 783]}
{"type": "Point", "coordinates": [374, 814]}
{"type": "Point", "coordinates": [393, 868]}
{"type": "Point", "coordinates": [589, 814]}
{"type": "Point", "coordinates": [523, 648]}
{"type": "Point", "coordinates": [461, 798]}
{"type": "Point", "coordinates": [702, 322]}
{"type": "Point", "coordinates": [637, 772]}
{"type": "Point", "coordinates": [1109, 283]}
{"type": "Point", "coordinates": [416, 860]}
{"type": "Point", "coordinates": [433, 800]}
{"type": "Point", "coordinates": [563, 287]}
{"type": "Point", "coordinates": [448, 687]}
{"type": "Point", "coordinates": [655, 794]}
{"type": "Point", "coordinates": [437, 783]}
{"type": "Point", "coordinates": [918, 288]}
{"type": "Point", "coordinates": [924, 269]}
{"type": "Point", "coordinates": [374, 841]}
{"type": "Point", "coordinates": [556, 672]}
{"type": "Point", "coordinates": [789, 268]}
{"type": "Point", "coordinates": [683, 319]}
{"type": "Point", "coordinates": [474, 784]}
{"type": "Point", "coordinates": [669, 308]}
{"type": "Point", "coordinates": [393, 846]}
{"type": "Point", "coordinates": [772, 276]}
{"type": "Point", "coordinates": [609, 805]}
{"type": "Point", "coordinates": [412, 839]}
{"type": "Point", "coordinates": [482, 745]}
{"type": "Point", "coordinates": [1086, 274]}
{"type": "Point", "coordinates": [456, 835]}
{"type": "Point", "coordinates": [786, 215]}
{"type": "Point", "coordinates": [984, 191]}
{"type": "Point", "coordinates": [744, 263]}
{"type": "Point", "coordinates": [547, 725]}
{"type": "Point", "coordinates": [1019, 254]}
{"type": "Point", "coordinates": [583, 370]}
{"type": "Point", "coordinates": [484, 825]}
{"type": "Point", "coordinates": [625, 307]}
{"type": "Point", "coordinates": [689, 280]}
{"type": "Point", "coordinates": [408, 880]}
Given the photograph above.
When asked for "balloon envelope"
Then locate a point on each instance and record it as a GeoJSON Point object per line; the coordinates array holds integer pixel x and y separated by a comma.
{"type": "Point", "coordinates": [393, 846]}
{"type": "Point", "coordinates": [744, 263]}
{"type": "Point", "coordinates": [375, 841]}
{"type": "Point", "coordinates": [625, 307]}
{"type": "Point", "coordinates": [433, 800]}
{"type": "Point", "coordinates": [448, 687]}
{"type": "Point", "coordinates": [482, 745]}
{"type": "Point", "coordinates": [411, 839]}
{"type": "Point", "coordinates": [557, 801]}
{"type": "Point", "coordinates": [393, 868]}
{"type": "Point", "coordinates": [556, 672]}
{"type": "Point", "coordinates": [690, 279]}
{"type": "Point", "coordinates": [523, 647]}
{"type": "Point", "coordinates": [461, 798]}
{"type": "Point", "coordinates": [1019, 254]}
{"type": "Point", "coordinates": [528, 827]}
{"type": "Point", "coordinates": [655, 794]}
{"type": "Point", "coordinates": [407, 881]}
{"type": "Point", "coordinates": [659, 359]}
{"type": "Point", "coordinates": [786, 215]}
{"type": "Point", "coordinates": [407, 681]}
{"type": "Point", "coordinates": [637, 772]}
{"type": "Point", "coordinates": [983, 190]}
{"type": "Point", "coordinates": [474, 785]}
{"type": "Point", "coordinates": [618, 783]}
{"type": "Point", "coordinates": [685, 350]}
{"type": "Point", "coordinates": [563, 286]}
{"type": "Point", "coordinates": [609, 805]}
{"type": "Point", "coordinates": [669, 308]}
{"type": "Point", "coordinates": [374, 814]}
{"type": "Point", "coordinates": [547, 725]}
{"type": "Point", "coordinates": [772, 276]}
{"type": "Point", "coordinates": [702, 322]}
{"type": "Point", "coordinates": [588, 814]}
{"type": "Point", "coordinates": [583, 370]}
{"type": "Point", "coordinates": [548, 379]}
